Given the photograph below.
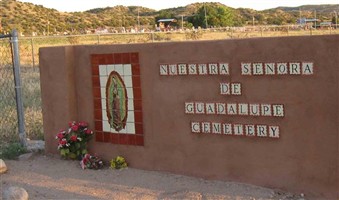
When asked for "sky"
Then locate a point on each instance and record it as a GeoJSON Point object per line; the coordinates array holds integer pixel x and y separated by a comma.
{"type": "Point", "coordinates": [83, 5]}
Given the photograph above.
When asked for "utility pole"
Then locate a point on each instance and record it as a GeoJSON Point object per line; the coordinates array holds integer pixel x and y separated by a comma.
{"type": "Point", "coordinates": [299, 15]}
{"type": "Point", "coordinates": [336, 20]}
{"type": "Point", "coordinates": [315, 18]}
{"type": "Point", "coordinates": [205, 16]}
{"type": "Point", "coordinates": [182, 22]}
{"type": "Point", "coordinates": [138, 20]}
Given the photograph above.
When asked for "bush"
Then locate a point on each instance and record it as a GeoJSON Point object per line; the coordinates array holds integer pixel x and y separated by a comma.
{"type": "Point", "coordinates": [12, 151]}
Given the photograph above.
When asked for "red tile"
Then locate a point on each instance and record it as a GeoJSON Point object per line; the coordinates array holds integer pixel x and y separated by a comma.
{"type": "Point", "coordinates": [99, 137]}
{"type": "Point", "coordinates": [123, 139]}
{"type": "Point", "coordinates": [139, 129]}
{"type": "Point", "coordinates": [96, 81]}
{"type": "Point", "coordinates": [96, 92]}
{"type": "Point", "coordinates": [126, 58]}
{"type": "Point", "coordinates": [95, 70]}
{"type": "Point", "coordinates": [98, 114]}
{"type": "Point", "coordinates": [97, 103]}
{"type": "Point", "coordinates": [137, 93]}
{"type": "Point", "coordinates": [136, 81]}
{"type": "Point", "coordinates": [135, 69]}
{"type": "Point", "coordinates": [137, 105]}
{"type": "Point", "coordinates": [94, 59]}
{"type": "Point", "coordinates": [131, 139]}
{"type": "Point", "coordinates": [138, 116]}
{"type": "Point", "coordinates": [117, 58]}
{"type": "Point", "coordinates": [139, 140]}
{"type": "Point", "coordinates": [109, 59]}
{"type": "Point", "coordinates": [115, 138]}
{"type": "Point", "coordinates": [98, 125]}
{"type": "Point", "coordinates": [134, 57]}
{"type": "Point", "coordinates": [107, 137]}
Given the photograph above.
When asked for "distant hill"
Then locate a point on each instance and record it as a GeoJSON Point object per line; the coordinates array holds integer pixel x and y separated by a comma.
{"type": "Point", "coordinates": [29, 18]}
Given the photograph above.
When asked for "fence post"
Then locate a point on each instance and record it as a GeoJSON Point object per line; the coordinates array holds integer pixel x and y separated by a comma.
{"type": "Point", "coordinates": [33, 60]}
{"type": "Point", "coordinates": [18, 94]}
{"type": "Point", "coordinates": [98, 38]}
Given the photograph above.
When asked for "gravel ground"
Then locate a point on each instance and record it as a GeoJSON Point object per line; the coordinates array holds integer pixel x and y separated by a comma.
{"type": "Point", "coordinates": [49, 177]}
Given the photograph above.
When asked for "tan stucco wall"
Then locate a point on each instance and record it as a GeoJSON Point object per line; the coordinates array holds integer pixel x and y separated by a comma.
{"type": "Point", "coordinates": [304, 158]}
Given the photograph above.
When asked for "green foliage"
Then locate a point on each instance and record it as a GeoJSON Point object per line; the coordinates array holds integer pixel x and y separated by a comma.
{"type": "Point", "coordinates": [73, 142]}
{"type": "Point", "coordinates": [118, 163]}
{"type": "Point", "coordinates": [12, 151]}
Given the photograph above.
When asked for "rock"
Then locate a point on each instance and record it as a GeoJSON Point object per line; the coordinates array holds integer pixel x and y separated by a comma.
{"type": "Point", "coordinates": [35, 145]}
{"type": "Point", "coordinates": [25, 156]}
{"type": "Point", "coordinates": [3, 167]}
{"type": "Point", "coordinates": [15, 193]}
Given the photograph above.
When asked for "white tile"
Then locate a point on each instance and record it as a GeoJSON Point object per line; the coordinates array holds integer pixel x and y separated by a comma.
{"type": "Point", "coordinates": [258, 69]}
{"type": "Point", "coordinates": [163, 70]}
{"type": "Point", "coordinates": [130, 128]}
{"type": "Point", "coordinates": [295, 68]}
{"type": "Point", "coordinates": [120, 69]}
{"type": "Point", "coordinates": [227, 129]}
{"type": "Point", "coordinates": [221, 108]}
{"type": "Point", "coordinates": [216, 128]}
{"type": "Point", "coordinates": [213, 69]}
{"type": "Point", "coordinates": [232, 109]}
{"type": "Point", "coordinates": [250, 130]}
{"type": "Point", "coordinates": [243, 108]}
{"type": "Point", "coordinates": [206, 127]}
{"type": "Point", "coordinates": [236, 88]}
{"type": "Point", "coordinates": [110, 68]}
{"type": "Point", "coordinates": [103, 81]}
{"type": "Point", "coordinates": [238, 129]}
{"type": "Point", "coordinates": [270, 68]}
{"type": "Point", "coordinates": [192, 69]}
{"type": "Point", "coordinates": [173, 70]}
{"type": "Point", "coordinates": [274, 131]}
{"type": "Point", "coordinates": [210, 108]}
{"type": "Point", "coordinates": [266, 110]}
{"type": "Point", "coordinates": [103, 103]}
{"type": "Point", "coordinates": [202, 69]}
{"type": "Point", "coordinates": [189, 107]}
{"type": "Point", "coordinates": [261, 130]}
{"type": "Point", "coordinates": [254, 110]}
{"type": "Point", "coordinates": [282, 68]}
{"type": "Point", "coordinates": [127, 70]}
{"type": "Point", "coordinates": [103, 92]}
{"type": "Point", "coordinates": [104, 115]}
{"type": "Point", "coordinates": [199, 108]}
{"type": "Point", "coordinates": [246, 69]}
{"type": "Point", "coordinates": [130, 93]}
{"type": "Point", "coordinates": [278, 110]}
{"type": "Point", "coordinates": [102, 70]}
{"type": "Point", "coordinates": [224, 69]}
{"type": "Point", "coordinates": [130, 103]}
{"type": "Point", "coordinates": [182, 69]}
{"type": "Point", "coordinates": [195, 127]}
{"type": "Point", "coordinates": [307, 68]}
{"type": "Point", "coordinates": [128, 81]}
{"type": "Point", "coordinates": [130, 116]}
{"type": "Point", "coordinates": [225, 89]}
{"type": "Point", "coordinates": [105, 126]}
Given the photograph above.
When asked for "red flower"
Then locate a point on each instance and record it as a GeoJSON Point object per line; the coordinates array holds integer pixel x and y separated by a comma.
{"type": "Point", "coordinates": [75, 127]}
{"type": "Point", "coordinates": [74, 138]}
{"type": "Point", "coordinates": [88, 131]}
{"type": "Point", "coordinates": [60, 135]}
{"type": "Point", "coordinates": [63, 142]}
{"type": "Point", "coordinates": [83, 124]}
{"type": "Point", "coordinates": [70, 124]}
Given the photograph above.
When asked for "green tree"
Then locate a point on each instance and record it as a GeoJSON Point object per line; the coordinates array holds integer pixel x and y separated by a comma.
{"type": "Point", "coordinates": [216, 16]}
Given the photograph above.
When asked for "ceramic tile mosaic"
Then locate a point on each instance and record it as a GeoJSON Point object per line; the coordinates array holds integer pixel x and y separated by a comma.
{"type": "Point", "coordinates": [117, 98]}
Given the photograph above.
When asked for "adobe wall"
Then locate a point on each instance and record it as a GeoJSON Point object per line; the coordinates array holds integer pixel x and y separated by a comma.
{"type": "Point", "coordinates": [175, 123]}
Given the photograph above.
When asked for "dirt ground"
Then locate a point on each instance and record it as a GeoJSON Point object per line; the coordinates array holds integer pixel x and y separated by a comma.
{"type": "Point", "coordinates": [49, 177]}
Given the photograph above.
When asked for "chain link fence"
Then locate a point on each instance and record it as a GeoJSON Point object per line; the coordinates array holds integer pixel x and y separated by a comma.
{"type": "Point", "coordinates": [8, 116]}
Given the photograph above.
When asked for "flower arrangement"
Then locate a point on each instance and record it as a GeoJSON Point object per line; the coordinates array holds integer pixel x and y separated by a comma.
{"type": "Point", "coordinates": [73, 142]}
{"type": "Point", "coordinates": [91, 162]}
{"type": "Point", "coordinates": [118, 163]}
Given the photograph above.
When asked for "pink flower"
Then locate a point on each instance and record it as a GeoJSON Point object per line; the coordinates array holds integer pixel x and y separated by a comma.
{"type": "Point", "coordinates": [88, 132]}
{"type": "Point", "coordinates": [83, 124]}
{"type": "Point", "coordinates": [75, 127]}
{"type": "Point", "coordinates": [74, 138]}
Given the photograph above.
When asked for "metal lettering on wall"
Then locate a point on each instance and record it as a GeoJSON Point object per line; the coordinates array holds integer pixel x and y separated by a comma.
{"type": "Point", "coordinates": [243, 109]}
